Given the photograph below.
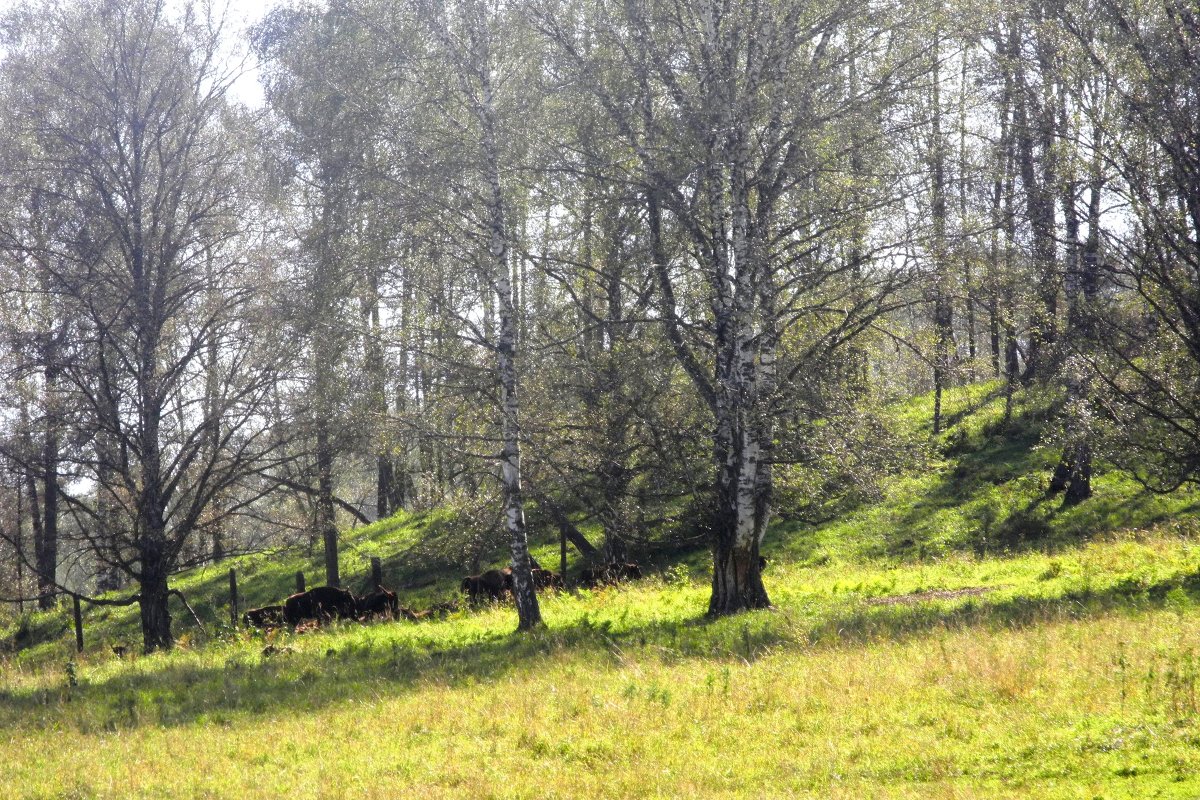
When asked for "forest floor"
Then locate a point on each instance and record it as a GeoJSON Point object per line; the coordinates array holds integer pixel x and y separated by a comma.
{"type": "Point", "coordinates": [960, 636]}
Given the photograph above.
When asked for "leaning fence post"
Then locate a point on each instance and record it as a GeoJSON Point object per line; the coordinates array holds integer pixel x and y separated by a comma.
{"type": "Point", "coordinates": [299, 581]}
{"type": "Point", "coordinates": [233, 599]}
{"type": "Point", "coordinates": [78, 623]}
{"type": "Point", "coordinates": [376, 573]}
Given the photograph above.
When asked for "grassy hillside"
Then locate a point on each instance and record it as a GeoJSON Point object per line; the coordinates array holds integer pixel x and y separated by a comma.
{"type": "Point", "coordinates": [962, 637]}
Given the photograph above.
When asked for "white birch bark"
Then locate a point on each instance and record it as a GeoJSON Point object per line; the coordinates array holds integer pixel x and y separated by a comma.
{"type": "Point", "coordinates": [483, 102]}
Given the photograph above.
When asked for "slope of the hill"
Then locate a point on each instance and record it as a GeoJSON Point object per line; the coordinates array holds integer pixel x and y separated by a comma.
{"type": "Point", "coordinates": [921, 646]}
{"type": "Point", "coordinates": [982, 488]}
{"type": "Point", "coordinates": [977, 489]}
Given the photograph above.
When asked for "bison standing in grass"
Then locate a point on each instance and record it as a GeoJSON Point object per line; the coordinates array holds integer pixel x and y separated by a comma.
{"type": "Point", "coordinates": [380, 603]}
{"type": "Point", "coordinates": [321, 603]}
{"type": "Point", "coordinates": [264, 618]}
{"type": "Point", "coordinates": [493, 584]}
{"type": "Point", "coordinates": [545, 579]}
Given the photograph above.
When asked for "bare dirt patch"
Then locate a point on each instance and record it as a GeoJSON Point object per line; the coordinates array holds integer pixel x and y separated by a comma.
{"type": "Point", "coordinates": [933, 594]}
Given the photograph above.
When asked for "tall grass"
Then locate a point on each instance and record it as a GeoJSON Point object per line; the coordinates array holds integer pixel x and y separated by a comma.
{"type": "Point", "coordinates": [1073, 675]}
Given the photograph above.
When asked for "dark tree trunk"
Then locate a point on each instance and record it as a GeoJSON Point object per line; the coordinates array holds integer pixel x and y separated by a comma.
{"type": "Point", "coordinates": [1035, 130]}
{"type": "Point", "coordinates": [326, 520]}
{"type": "Point", "coordinates": [35, 521]}
{"type": "Point", "coordinates": [737, 577]}
{"type": "Point", "coordinates": [48, 552]}
{"type": "Point", "coordinates": [1080, 486]}
{"type": "Point", "coordinates": [19, 546]}
{"type": "Point", "coordinates": [375, 368]}
{"type": "Point", "coordinates": [1002, 188]}
{"type": "Point", "coordinates": [46, 518]}
{"type": "Point", "coordinates": [1073, 474]}
{"type": "Point", "coordinates": [155, 613]}
{"type": "Point", "coordinates": [385, 486]}
{"type": "Point", "coordinates": [968, 278]}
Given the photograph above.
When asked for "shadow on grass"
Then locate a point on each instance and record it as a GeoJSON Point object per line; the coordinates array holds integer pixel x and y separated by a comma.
{"type": "Point", "coordinates": [377, 664]}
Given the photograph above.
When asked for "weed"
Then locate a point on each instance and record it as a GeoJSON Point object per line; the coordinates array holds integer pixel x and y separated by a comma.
{"type": "Point", "coordinates": [1053, 570]}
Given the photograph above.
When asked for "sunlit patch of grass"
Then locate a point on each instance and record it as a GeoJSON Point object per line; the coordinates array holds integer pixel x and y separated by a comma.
{"type": "Point", "coordinates": [1071, 706]}
{"type": "Point", "coordinates": [982, 487]}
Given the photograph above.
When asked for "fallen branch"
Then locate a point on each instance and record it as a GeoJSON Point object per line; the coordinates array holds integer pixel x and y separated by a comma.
{"type": "Point", "coordinates": [191, 611]}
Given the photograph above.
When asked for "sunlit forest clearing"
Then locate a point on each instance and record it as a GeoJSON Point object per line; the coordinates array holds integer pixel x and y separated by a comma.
{"type": "Point", "coordinates": [571, 398]}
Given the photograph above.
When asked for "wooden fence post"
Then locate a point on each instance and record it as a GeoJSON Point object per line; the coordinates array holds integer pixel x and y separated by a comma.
{"type": "Point", "coordinates": [78, 623]}
{"type": "Point", "coordinates": [233, 599]}
{"type": "Point", "coordinates": [376, 573]}
{"type": "Point", "coordinates": [299, 581]}
{"type": "Point", "coordinates": [562, 556]}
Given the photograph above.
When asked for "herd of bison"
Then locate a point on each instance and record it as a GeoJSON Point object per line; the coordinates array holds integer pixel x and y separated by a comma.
{"type": "Point", "coordinates": [325, 603]}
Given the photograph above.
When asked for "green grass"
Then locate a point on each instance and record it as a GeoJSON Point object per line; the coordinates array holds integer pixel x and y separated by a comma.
{"type": "Point", "coordinates": [1075, 676]}
{"type": "Point", "coordinates": [981, 487]}
{"type": "Point", "coordinates": [965, 636]}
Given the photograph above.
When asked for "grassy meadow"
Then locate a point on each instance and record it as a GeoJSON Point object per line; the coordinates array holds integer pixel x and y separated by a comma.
{"type": "Point", "coordinates": [964, 636]}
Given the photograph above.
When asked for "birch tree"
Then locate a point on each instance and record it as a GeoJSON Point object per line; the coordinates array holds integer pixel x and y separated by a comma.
{"type": "Point", "coordinates": [737, 122]}
{"type": "Point", "coordinates": [472, 39]}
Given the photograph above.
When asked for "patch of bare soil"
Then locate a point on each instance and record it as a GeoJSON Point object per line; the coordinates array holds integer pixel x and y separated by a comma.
{"type": "Point", "coordinates": [933, 594]}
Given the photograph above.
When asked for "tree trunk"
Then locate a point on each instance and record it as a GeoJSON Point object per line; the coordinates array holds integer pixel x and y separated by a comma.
{"type": "Point", "coordinates": [1001, 211]}
{"type": "Point", "coordinates": [1034, 128]}
{"type": "Point", "coordinates": [737, 580]}
{"type": "Point", "coordinates": [385, 486]}
{"type": "Point", "coordinates": [48, 552]}
{"type": "Point", "coordinates": [743, 511]}
{"type": "Point", "coordinates": [35, 520]}
{"type": "Point", "coordinates": [155, 613]}
{"type": "Point", "coordinates": [529, 614]}
{"type": "Point", "coordinates": [19, 546]}
{"type": "Point", "coordinates": [47, 546]}
{"type": "Point", "coordinates": [968, 278]}
{"type": "Point", "coordinates": [1073, 474]}
{"type": "Point", "coordinates": [1009, 173]}
{"type": "Point", "coordinates": [1066, 470]}
{"type": "Point", "coordinates": [744, 373]}
{"type": "Point", "coordinates": [943, 308]}
{"type": "Point", "coordinates": [373, 363]}
{"type": "Point", "coordinates": [326, 520]}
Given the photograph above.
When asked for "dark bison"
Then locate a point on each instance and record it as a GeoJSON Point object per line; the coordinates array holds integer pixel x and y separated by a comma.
{"type": "Point", "coordinates": [614, 572]}
{"type": "Point", "coordinates": [545, 579]}
{"type": "Point", "coordinates": [493, 584]}
{"type": "Point", "coordinates": [265, 617]}
{"type": "Point", "coordinates": [380, 603]}
{"type": "Point", "coordinates": [320, 603]}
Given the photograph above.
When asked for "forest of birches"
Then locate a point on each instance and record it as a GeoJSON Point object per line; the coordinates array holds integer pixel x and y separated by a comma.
{"type": "Point", "coordinates": [647, 268]}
